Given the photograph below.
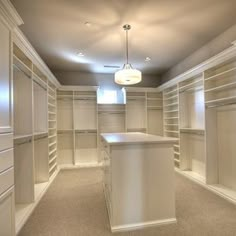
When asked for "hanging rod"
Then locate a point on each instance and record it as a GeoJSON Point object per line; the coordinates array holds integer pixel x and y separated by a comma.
{"type": "Point", "coordinates": [221, 104]}
{"type": "Point", "coordinates": [38, 83]}
{"type": "Point", "coordinates": [24, 142]}
{"type": "Point", "coordinates": [40, 137]}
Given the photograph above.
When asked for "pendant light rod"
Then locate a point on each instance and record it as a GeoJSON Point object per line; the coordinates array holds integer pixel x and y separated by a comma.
{"type": "Point", "coordinates": [127, 28]}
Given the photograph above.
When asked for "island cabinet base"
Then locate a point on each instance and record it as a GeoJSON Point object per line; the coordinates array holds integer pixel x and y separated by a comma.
{"type": "Point", "coordinates": [139, 185]}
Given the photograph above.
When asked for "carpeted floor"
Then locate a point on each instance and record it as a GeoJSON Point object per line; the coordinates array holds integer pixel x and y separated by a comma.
{"type": "Point", "coordinates": [75, 206]}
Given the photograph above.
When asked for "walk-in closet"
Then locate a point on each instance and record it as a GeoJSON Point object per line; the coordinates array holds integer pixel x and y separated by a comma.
{"type": "Point", "coordinates": [117, 117]}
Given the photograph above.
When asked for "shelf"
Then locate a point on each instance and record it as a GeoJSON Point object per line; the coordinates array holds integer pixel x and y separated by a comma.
{"type": "Point", "coordinates": [172, 131]}
{"type": "Point", "coordinates": [171, 125]}
{"type": "Point", "coordinates": [52, 113]}
{"type": "Point", "coordinates": [221, 88]}
{"type": "Point", "coordinates": [52, 136]}
{"type": "Point", "coordinates": [173, 91]}
{"type": "Point", "coordinates": [52, 105]}
{"type": "Point", "coordinates": [18, 137]}
{"type": "Point", "coordinates": [52, 159]}
{"type": "Point", "coordinates": [171, 98]}
{"type": "Point", "coordinates": [192, 130]}
{"type": "Point", "coordinates": [172, 104]}
{"type": "Point", "coordinates": [224, 101]}
{"type": "Point", "coordinates": [171, 111]}
{"type": "Point", "coordinates": [171, 118]}
{"type": "Point", "coordinates": [177, 160]}
{"type": "Point", "coordinates": [51, 144]}
{"type": "Point", "coordinates": [190, 85]}
{"type": "Point", "coordinates": [155, 107]}
{"type": "Point", "coordinates": [220, 74]}
{"type": "Point", "coordinates": [177, 153]}
{"type": "Point", "coordinates": [154, 99]}
{"type": "Point", "coordinates": [53, 167]}
{"type": "Point", "coordinates": [54, 150]}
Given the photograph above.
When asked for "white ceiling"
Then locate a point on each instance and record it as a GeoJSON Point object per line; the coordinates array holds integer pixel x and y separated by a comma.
{"type": "Point", "coordinates": [167, 31]}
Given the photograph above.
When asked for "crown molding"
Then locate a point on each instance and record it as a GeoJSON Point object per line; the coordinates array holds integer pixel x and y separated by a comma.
{"type": "Point", "coordinates": [223, 56]}
{"type": "Point", "coordinates": [22, 42]}
{"type": "Point", "coordinates": [78, 88]}
{"type": "Point", "coordinates": [9, 14]}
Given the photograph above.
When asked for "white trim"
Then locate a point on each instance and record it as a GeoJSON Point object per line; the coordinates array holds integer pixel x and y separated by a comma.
{"type": "Point", "coordinates": [22, 42]}
{"type": "Point", "coordinates": [34, 204]}
{"type": "Point", "coordinates": [213, 61]}
{"type": "Point", "coordinates": [140, 89]}
{"type": "Point", "coordinates": [9, 14]}
{"type": "Point", "coordinates": [206, 186]}
{"type": "Point", "coordinates": [77, 88]}
{"type": "Point", "coordinates": [143, 225]}
{"type": "Point", "coordinates": [79, 166]}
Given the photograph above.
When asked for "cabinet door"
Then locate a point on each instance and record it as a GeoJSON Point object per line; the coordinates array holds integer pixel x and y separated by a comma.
{"type": "Point", "coordinates": [5, 80]}
{"type": "Point", "coordinates": [7, 217]}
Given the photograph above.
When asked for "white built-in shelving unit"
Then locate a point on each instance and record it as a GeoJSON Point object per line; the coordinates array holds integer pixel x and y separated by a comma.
{"type": "Point", "coordinates": [192, 127]}
{"type": "Point", "coordinates": [52, 128]}
{"type": "Point", "coordinates": [32, 122]}
{"type": "Point", "coordinates": [77, 127]}
{"type": "Point", "coordinates": [171, 118]}
{"type": "Point", "coordinates": [136, 112]}
{"type": "Point", "coordinates": [200, 108]}
{"type": "Point", "coordinates": [220, 101]}
{"type": "Point", "coordinates": [154, 106]}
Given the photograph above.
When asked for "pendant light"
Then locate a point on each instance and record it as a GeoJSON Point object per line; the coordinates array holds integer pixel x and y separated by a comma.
{"type": "Point", "coordinates": [128, 75]}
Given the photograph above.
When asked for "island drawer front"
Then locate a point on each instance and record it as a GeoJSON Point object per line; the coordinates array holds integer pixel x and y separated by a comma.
{"type": "Point", "coordinates": [6, 141]}
{"type": "Point", "coordinates": [6, 180]}
{"type": "Point", "coordinates": [6, 159]}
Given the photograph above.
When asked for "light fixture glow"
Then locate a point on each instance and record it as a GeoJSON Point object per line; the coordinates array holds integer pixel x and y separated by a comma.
{"type": "Point", "coordinates": [147, 59]}
{"type": "Point", "coordinates": [128, 75]}
{"type": "Point", "coordinates": [80, 54]}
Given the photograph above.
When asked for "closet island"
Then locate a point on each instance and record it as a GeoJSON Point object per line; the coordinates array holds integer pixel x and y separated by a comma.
{"type": "Point", "coordinates": [138, 180]}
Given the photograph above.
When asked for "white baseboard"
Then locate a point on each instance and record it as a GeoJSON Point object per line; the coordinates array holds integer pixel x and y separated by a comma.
{"type": "Point", "coordinates": [221, 192]}
{"type": "Point", "coordinates": [143, 225]}
{"type": "Point", "coordinates": [80, 166]}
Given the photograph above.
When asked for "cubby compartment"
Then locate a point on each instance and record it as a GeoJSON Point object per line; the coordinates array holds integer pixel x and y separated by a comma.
{"type": "Point", "coordinates": [86, 148]}
{"type": "Point", "coordinates": [41, 168]}
{"type": "Point", "coordinates": [85, 111]}
{"type": "Point", "coordinates": [171, 118]}
{"type": "Point", "coordinates": [221, 149]}
{"type": "Point", "coordinates": [136, 112]}
{"type": "Point", "coordinates": [154, 113]}
{"type": "Point", "coordinates": [65, 110]}
{"type": "Point", "coordinates": [220, 84]}
{"type": "Point", "coordinates": [40, 107]}
{"type": "Point", "coordinates": [22, 87]}
{"type": "Point", "coordinates": [65, 150]}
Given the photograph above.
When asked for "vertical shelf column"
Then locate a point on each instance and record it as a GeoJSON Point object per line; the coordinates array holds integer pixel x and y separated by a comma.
{"type": "Point", "coordinates": [171, 117]}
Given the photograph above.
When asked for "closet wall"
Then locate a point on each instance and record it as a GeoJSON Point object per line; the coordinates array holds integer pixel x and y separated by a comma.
{"type": "Point", "coordinates": [35, 140]}
{"type": "Point", "coordinates": [81, 120]}
{"type": "Point", "coordinates": [199, 109]}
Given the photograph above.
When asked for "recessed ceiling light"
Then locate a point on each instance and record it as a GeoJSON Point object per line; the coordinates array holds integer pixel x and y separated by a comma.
{"type": "Point", "coordinates": [147, 59]}
{"type": "Point", "coordinates": [80, 54]}
{"type": "Point", "coordinates": [88, 24]}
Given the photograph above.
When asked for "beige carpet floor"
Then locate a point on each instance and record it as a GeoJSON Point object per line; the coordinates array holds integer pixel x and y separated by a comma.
{"type": "Point", "coordinates": [75, 206]}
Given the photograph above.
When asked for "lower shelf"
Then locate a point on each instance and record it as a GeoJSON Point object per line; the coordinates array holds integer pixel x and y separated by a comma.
{"type": "Point", "coordinates": [218, 189]}
{"type": "Point", "coordinates": [23, 211]}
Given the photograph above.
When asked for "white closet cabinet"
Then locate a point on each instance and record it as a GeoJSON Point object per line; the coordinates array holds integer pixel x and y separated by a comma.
{"type": "Point", "coordinates": [154, 113]}
{"type": "Point", "coordinates": [171, 118]}
{"type": "Point", "coordinates": [136, 108]}
{"type": "Point", "coordinates": [192, 127]}
{"type": "Point", "coordinates": [220, 93]}
{"type": "Point", "coordinates": [85, 126]}
{"type": "Point", "coordinates": [7, 218]}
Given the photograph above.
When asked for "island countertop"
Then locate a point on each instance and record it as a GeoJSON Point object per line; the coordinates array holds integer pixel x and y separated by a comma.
{"type": "Point", "coordinates": [134, 138]}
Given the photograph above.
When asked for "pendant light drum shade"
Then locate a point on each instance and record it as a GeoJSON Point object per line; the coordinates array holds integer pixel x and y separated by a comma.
{"type": "Point", "coordinates": [128, 75]}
